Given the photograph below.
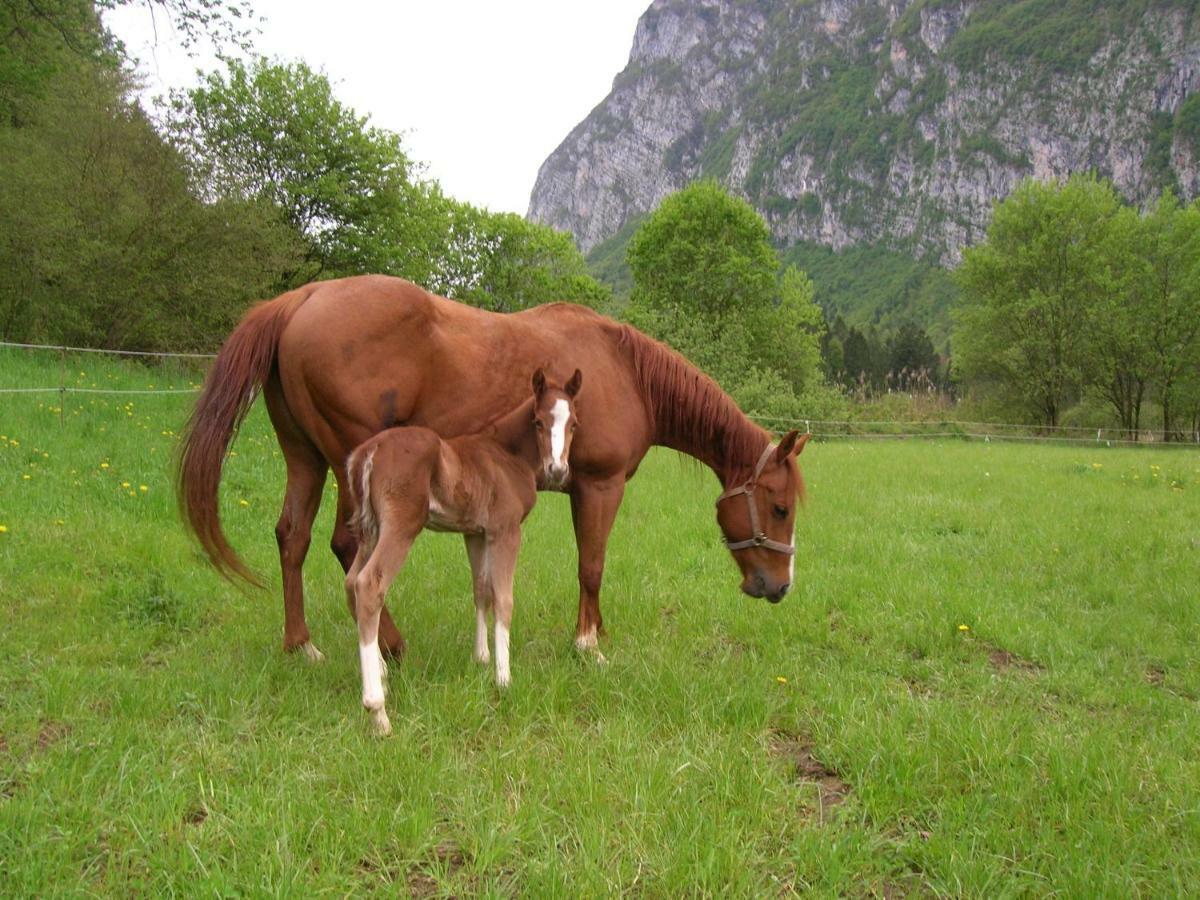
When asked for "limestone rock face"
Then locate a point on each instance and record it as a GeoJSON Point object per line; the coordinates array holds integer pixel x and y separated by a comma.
{"type": "Point", "coordinates": [848, 121]}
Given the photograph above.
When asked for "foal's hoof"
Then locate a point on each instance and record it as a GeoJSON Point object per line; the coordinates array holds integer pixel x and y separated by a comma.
{"type": "Point", "coordinates": [309, 652]}
{"type": "Point", "coordinates": [380, 724]}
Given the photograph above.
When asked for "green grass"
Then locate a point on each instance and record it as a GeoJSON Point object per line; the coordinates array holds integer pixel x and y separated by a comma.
{"type": "Point", "coordinates": [155, 739]}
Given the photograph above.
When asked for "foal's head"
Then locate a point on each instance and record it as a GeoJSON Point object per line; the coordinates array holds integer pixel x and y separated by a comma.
{"type": "Point", "coordinates": [554, 422]}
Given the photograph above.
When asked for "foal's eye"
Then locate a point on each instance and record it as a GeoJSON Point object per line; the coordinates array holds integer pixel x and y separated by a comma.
{"type": "Point", "coordinates": [537, 423]}
{"type": "Point", "coordinates": [573, 427]}
{"type": "Point", "coordinates": [780, 511]}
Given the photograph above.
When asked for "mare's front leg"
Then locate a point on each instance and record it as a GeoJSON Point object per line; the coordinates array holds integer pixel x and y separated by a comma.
{"type": "Point", "coordinates": [371, 580]}
{"type": "Point", "coordinates": [345, 548]}
{"type": "Point", "coordinates": [594, 505]}
{"type": "Point", "coordinates": [502, 566]}
{"type": "Point", "coordinates": [477, 553]}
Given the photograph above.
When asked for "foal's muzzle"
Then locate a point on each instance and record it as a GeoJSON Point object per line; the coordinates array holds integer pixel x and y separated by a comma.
{"type": "Point", "coordinates": [556, 475]}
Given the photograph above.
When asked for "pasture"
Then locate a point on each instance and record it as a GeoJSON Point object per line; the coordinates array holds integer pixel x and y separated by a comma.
{"type": "Point", "coordinates": [985, 683]}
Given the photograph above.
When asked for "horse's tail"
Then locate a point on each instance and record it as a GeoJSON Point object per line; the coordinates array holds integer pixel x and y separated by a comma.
{"type": "Point", "coordinates": [364, 522]}
{"type": "Point", "coordinates": [243, 365]}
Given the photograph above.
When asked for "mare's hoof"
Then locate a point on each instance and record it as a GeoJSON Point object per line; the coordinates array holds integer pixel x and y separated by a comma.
{"type": "Point", "coordinates": [309, 652]}
{"type": "Point", "coordinates": [380, 724]}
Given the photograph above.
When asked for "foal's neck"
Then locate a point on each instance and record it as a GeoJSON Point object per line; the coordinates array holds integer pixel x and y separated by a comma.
{"type": "Point", "coordinates": [513, 433]}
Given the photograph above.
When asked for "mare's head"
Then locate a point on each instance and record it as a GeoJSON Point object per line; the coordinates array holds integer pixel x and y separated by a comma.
{"type": "Point", "coordinates": [554, 422]}
{"type": "Point", "coordinates": [758, 519]}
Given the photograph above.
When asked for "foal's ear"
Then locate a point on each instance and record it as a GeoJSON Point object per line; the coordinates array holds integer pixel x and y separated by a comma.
{"type": "Point", "coordinates": [792, 442]}
{"type": "Point", "coordinates": [572, 387]}
{"type": "Point", "coordinates": [539, 382]}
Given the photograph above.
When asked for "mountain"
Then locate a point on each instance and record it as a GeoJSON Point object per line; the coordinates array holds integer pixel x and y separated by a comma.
{"type": "Point", "coordinates": [892, 124]}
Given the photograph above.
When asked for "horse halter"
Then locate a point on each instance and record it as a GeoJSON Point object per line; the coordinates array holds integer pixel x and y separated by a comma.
{"type": "Point", "coordinates": [760, 538]}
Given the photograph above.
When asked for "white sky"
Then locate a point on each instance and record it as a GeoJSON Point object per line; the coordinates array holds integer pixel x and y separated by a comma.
{"type": "Point", "coordinates": [482, 91]}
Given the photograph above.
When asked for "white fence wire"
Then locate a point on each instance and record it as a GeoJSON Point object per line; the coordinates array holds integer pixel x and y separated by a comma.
{"type": "Point", "coordinates": [829, 429]}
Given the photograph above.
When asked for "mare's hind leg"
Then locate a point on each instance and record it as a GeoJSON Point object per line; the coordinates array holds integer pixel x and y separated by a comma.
{"type": "Point", "coordinates": [345, 549]}
{"type": "Point", "coordinates": [371, 580]}
{"type": "Point", "coordinates": [306, 471]}
{"type": "Point", "coordinates": [477, 553]}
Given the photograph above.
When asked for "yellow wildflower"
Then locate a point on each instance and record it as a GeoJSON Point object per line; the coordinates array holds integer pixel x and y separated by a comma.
{"type": "Point", "coordinates": [104, 465]}
{"type": "Point", "coordinates": [964, 627]}
{"type": "Point", "coordinates": [124, 484]}
{"type": "Point", "coordinates": [3, 529]}
{"type": "Point", "coordinates": [243, 503]}
{"type": "Point", "coordinates": [143, 488]}
{"type": "Point", "coordinates": [781, 679]}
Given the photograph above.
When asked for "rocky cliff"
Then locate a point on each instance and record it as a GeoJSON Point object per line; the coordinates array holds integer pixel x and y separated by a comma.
{"type": "Point", "coordinates": [884, 121]}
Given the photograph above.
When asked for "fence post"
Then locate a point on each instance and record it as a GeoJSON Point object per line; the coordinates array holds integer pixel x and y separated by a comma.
{"type": "Point", "coordinates": [62, 385]}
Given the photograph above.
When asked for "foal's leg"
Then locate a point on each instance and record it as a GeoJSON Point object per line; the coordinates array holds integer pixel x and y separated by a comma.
{"type": "Point", "coordinates": [502, 565]}
{"type": "Point", "coordinates": [370, 585]}
{"type": "Point", "coordinates": [594, 506]}
{"type": "Point", "coordinates": [477, 553]}
{"type": "Point", "coordinates": [345, 548]}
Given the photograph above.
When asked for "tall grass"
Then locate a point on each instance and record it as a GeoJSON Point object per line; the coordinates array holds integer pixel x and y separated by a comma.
{"type": "Point", "coordinates": [986, 683]}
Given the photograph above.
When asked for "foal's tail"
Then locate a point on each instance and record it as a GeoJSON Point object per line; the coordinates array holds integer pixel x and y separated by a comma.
{"type": "Point", "coordinates": [243, 365]}
{"type": "Point", "coordinates": [364, 522]}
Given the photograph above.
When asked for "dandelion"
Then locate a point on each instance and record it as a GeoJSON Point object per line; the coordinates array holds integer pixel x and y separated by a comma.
{"type": "Point", "coordinates": [59, 522]}
{"type": "Point", "coordinates": [125, 484]}
{"type": "Point", "coordinates": [964, 627]}
{"type": "Point", "coordinates": [243, 503]}
{"type": "Point", "coordinates": [143, 488]}
{"type": "Point", "coordinates": [3, 529]}
{"type": "Point", "coordinates": [26, 477]}
{"type": "Point", "coordinates": [781, 679]}
{"type": "Point", "coordinates": [1097, 465]}
{"type": "Point", "coordinates": [104, 465]}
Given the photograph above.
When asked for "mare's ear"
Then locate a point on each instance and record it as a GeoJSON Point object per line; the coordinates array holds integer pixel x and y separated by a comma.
{"type": "Point", "coordinates": [572, 387]}
{"type": "Point", "coordinates": [792, 442]}
{"type": "Point", "coordinates": [539, 382]}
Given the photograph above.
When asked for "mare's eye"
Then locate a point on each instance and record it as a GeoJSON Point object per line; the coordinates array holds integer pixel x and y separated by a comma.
{"type": "Point", "coordinates": [780, 511]}
{"type": "Point", "coordinates": [573, 427]}
{"type": "Point", "coordinates": [537, 423]}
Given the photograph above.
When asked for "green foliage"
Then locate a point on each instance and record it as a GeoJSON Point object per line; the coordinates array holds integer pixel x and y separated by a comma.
{"type": "Point", "coordinates": [1073, 291]}
{"type": "Point", "coordinates": [871, 284]}
{"type": "Point", "coordinates": [501, 262]}
{"type": "Point", "coordinates": [101, 241]}
{"type": "Point", "coordinates": [705, 281]}
{"type": "Point", "coordinates": [1027, 289]}
{"type": "Point", "coordinates": [274, 132]}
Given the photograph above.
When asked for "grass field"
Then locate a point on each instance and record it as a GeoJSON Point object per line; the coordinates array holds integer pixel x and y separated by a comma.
{"type": "Point", "coordinates": [986, 683]}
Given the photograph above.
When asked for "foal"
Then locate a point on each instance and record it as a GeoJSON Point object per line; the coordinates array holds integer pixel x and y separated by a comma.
{"type": "Point", "coordinates": [483, 485]}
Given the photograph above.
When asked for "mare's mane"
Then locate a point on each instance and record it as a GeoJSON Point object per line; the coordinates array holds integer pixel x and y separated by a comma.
{"type": "Point", "coordinates": [689, 411]}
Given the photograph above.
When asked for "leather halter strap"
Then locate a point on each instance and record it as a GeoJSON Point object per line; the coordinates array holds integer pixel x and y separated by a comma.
{"type": "Point", "coordinates": [760, 538]}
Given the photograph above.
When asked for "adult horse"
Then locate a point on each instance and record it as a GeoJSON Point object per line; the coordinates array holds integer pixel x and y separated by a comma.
{"type": "Point", "coordinates": [338, 361]}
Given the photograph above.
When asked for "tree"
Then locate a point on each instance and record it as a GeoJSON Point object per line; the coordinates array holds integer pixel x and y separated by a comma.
{"type": "Point", "coordinates": [1027, 291]}
{"type": "Point", "coordinates": [707, 281]}
{"type": "Point", "coordinates": [274, 132]}
{"type": "Point", "coordinates": [501, 262]}
{"type": "Point", "coordinates": [1171, 283]}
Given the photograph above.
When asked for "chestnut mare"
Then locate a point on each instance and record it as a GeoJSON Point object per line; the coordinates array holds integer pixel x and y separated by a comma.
{"type": "Point", "coordinates": [339, 361]}
{"type": "Point", "coordinates": [482, 485]}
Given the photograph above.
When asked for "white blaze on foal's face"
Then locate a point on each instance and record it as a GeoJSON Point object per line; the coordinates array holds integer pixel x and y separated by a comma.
{"type": "Point", "coordinates": [555, 422]}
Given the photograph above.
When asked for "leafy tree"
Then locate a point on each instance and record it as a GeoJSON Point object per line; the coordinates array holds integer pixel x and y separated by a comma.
{"type": "Point", "coordinates": [501, 262]}
{"type": "Point", "coordinates": [275, 132]}
{"type": "Point", "coordinates": [1028, 289]}
{"type": "Point", "coordinates": [1171, 282]}
{"type": "Point", "coordinates": [706, 280]}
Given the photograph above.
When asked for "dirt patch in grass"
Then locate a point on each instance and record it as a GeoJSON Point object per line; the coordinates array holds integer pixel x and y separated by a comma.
{"type": "Point", "coordinates": [1005, 660]}
{"type": "Point", "coordinates": [196, 815]}
{"type": "Point", "coordinates": [50, 733]}
{"type": "Point", "coordinates": [421, 878]}
{"type": "Point", "coordinates": [797, 751]}
{"type": "Point", "coordinates": [1155, 675]}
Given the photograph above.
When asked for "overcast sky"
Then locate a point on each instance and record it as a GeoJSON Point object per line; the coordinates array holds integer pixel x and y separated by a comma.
{"type": "Point", "coordinates": [482, 91]}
